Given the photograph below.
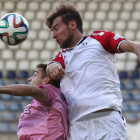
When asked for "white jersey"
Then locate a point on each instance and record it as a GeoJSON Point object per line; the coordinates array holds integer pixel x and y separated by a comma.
{"type": "Point", "coordinates": [91, 81]}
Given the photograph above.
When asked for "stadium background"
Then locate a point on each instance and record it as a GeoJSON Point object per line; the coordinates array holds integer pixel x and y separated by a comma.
{"type": "Point", "coordinates": [18, 62]}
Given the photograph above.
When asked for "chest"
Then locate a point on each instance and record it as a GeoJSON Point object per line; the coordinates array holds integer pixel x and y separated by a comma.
{"type": "Point", "coordinates": [89, 51]}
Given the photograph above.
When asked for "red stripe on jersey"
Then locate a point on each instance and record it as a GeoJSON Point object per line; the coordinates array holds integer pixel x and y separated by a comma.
{"type": "Point", "coordinates": [59, 58]}
{"type": "Point", "coordinates": [108, 40]}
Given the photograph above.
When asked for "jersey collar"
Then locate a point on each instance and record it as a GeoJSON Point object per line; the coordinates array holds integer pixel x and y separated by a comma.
{"type": "Point", "coordinates": [82, 39]}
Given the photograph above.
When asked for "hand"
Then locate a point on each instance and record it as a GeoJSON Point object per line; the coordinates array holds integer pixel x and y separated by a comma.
{"type": "Point", "coordinates": [55, 71]}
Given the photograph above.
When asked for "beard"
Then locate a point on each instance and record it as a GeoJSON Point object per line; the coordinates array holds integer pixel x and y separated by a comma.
{"type": "Point", "coordinates": [68, 41]}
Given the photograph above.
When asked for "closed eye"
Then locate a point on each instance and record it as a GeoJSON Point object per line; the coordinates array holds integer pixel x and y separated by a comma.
{"type": "Point", "coordinates": [55, 27]}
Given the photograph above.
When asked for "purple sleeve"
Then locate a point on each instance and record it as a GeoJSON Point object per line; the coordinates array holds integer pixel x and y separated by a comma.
{"type": "Point", "coordinates": [49, 99]}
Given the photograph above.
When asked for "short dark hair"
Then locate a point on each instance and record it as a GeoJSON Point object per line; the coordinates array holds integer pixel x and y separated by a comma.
{"type": "Point", "coordinates": [44, 74]}
{"type": "Point", "coordinates": [43, 66]}
{"type": "Point", "coordinates": [68, 13]}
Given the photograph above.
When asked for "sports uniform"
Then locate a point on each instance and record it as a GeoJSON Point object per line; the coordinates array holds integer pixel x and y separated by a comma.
{"type": "Point", "coordinates": [46, 120]}
{"type": "Point", "coordinates": [91, 82]}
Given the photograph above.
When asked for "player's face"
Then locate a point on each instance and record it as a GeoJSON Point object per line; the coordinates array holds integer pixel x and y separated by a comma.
{"type": "Point", "coordinates": [36, 79]}
{"type": "Point", "coordinates": [62, 33]}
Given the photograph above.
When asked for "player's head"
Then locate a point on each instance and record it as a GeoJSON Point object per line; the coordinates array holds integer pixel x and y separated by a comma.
{"type": "Point", "coordinates": [40, 77]}
{"type": "Point", "coordinates": [68, 13]}
{"type": "Point", "coordinates": [64, 21]}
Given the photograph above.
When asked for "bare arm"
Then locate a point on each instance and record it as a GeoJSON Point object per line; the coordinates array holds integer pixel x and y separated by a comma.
{"type": "Point", "coordinates": [130, 46]}
{"type": "Point", "coordinates": [24, 90]}
{"type": "Point", "coordinates": [55, 71]}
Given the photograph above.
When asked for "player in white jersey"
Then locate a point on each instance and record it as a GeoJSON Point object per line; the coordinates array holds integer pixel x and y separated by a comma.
{"type": "Point", "coordinates": [89, 77]}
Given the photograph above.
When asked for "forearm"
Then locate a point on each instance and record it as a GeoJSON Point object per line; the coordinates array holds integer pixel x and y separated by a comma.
{"type": "Point", "coordinates": [130, 46]}
{"type": "Point", "coordinates": [24, 90]}
{"type": "Point", "coordinates": [18, 90]}
{"type": "Point", "coordinates": [136, 50]}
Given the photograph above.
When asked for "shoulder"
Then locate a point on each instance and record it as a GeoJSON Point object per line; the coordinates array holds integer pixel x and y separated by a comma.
{"type": "Point", "coordinates": [49, 87]}
{"type": "Point", "coordinates": [100, 33]}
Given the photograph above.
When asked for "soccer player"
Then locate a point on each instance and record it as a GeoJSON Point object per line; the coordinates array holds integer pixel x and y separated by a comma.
{"type": "Point", "coordinates": [89, 81]}
{"type": "Point", "coordinates": [46, 117]}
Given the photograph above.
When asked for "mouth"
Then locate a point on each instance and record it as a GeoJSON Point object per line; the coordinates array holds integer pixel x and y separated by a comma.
{"type": "Point", "coordinates": [58, 41]}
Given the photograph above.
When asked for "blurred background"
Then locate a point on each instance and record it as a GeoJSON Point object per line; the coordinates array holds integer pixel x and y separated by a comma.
{"type": "Point", "coordinates": [18, 62]}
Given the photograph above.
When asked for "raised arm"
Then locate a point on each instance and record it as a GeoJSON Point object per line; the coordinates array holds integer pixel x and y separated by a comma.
{"type": "Point", "coordinates": [130, 46]}
{"type": "Point", "coordinates": [24, 90]}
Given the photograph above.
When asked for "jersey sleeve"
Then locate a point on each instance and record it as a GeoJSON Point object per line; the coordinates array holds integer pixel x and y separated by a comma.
{"type": "Point", "coordinates": [109, 40]}
{"type": "Point", "coordinates": [51, 91]}
{"type": "Point", "coordinates": [59, 59]}
{"type": "Point", "coordinates": [50, 97]}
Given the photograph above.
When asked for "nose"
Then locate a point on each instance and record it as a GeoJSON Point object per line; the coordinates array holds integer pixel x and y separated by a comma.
{"type": "Point", "coordinates": [54, 35]}
{"type": "Point", "coordinates": [30, 79]}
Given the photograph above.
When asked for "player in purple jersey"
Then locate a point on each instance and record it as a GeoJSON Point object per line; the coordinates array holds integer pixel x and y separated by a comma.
{"type": "Point", "coordinates": [46, 117]}
{"type": "Point", "coordinates": [89, 79]}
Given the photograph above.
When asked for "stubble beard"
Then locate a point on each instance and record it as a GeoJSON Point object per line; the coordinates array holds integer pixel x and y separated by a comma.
{"type": "Point", "coordinates": [68, 41]}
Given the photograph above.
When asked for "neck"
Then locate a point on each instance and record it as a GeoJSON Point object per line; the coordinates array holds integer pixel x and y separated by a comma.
{"type": "Point", "coordinates": [76, 39]}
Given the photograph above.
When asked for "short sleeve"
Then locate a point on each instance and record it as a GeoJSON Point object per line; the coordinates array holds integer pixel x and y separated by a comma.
{"type": "Point", "coordinates": [40, 86]}
{"type": "Point", "coordinates": [110, 41]}
{"type": "Point", "coordinates": [59, 59]}
{"type": "Point", "coordinates": [48, 93]}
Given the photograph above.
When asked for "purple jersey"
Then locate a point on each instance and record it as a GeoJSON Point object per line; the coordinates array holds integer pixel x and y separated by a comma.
{"type": "Point", "coordinates": [47, 120]}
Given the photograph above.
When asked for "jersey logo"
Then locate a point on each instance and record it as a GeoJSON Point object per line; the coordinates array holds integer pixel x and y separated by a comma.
{"type": "Point", "coordinates": [100, 34]}
{"type": "Point", "coordinates": [117, 37]}
{"type": "Point", "coordinates": [84, 43]}
{"type": "Point", "coordinates": [27, 110]}
{"type": "Point", "coordinates": [65, 56]}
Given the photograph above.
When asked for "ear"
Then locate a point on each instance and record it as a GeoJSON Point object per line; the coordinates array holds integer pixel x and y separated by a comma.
{"type": "Point", "coordinates": [73, 25]}
{"type": "Point", "coordinates": [46, 80]}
